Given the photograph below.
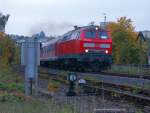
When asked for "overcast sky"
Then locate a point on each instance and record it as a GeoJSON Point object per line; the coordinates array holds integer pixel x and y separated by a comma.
{"type": "Point", "coordinates": [57, 16]}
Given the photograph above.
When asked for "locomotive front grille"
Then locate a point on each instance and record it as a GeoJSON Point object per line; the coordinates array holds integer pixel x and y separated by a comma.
{"type": "Point", "coordinates": [95, 51]}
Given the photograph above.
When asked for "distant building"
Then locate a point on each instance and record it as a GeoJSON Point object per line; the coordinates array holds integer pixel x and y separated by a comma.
{"type": "Point", "coordinates": [41, 36]}
{"type": "Point", "coordinates": [146, 34]}
{"type": "Point", "coordinates": [18, 39]}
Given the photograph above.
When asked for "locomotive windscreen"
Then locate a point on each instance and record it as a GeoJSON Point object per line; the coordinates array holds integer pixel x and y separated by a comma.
{"type": "Point", "coordinates": [90, 34]}
{"type": "Point", "coordinates": [103, 34]}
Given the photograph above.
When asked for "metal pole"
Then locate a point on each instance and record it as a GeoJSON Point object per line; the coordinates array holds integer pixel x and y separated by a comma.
{"type": "Point", "coordinates": [104, 20]}
{"type": "Point", "coordinates": [103, 96]}
{"type": "Point", "coordinates": [26, 69]}
{"type": "Point", "coordinates": [36, 83]}
{"type": "Point", "coordinates": [36, 67]}
{"type": "Point", "coordinates": [31, 83]}
{"type": "Point", "coordinates": [141, 73]}
{"type": "Point", "coordinates": [26, 83]}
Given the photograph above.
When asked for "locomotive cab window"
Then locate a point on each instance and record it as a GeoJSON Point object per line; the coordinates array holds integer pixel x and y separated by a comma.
{"type": "Point", "coordinates": [103, 34]}
{"type": "Point", "coordinates": [90, 34]}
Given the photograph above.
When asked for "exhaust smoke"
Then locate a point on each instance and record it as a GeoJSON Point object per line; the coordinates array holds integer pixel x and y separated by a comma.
{"type": "Point", "coordinates": [52, 28]}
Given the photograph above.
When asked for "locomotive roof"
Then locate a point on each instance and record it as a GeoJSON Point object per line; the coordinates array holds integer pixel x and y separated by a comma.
{"type": "Point", "coordinates": [83, 28]}
{"type": "Point", "coordinates": [90, 27]}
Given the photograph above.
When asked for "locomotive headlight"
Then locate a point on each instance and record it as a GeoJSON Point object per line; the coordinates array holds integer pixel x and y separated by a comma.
{"type": "Point", "coordinates": [86, 50]}
{"type": "Point", "coordinates": [106, 51]}
{"type": "Point", "coordinates": [96, 28]}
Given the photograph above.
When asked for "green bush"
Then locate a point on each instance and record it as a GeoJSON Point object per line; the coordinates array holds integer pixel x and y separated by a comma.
{"type": "Point", "coordinates": [6, 97]}
{"type": "Point", "coordinates": [12, 87]}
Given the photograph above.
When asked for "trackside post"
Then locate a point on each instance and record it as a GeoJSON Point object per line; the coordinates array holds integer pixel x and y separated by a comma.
{"type": "Point", "coordinates": [72, 77]}
{"type": "Point", "coordinates": [30, 58]}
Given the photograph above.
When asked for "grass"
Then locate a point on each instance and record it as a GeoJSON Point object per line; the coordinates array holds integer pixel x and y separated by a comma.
{"type": "Point", "coordinates": [55, 83]}
{"type": "Point", "coordinates": [139, 111]}
{"type": "Point", "coordinates": [11, 81]}
{"type": "Point", "coordinates": [22, 107]}
{"type": "Point", "coordinates": [129, 69]}
{"type": "Point", "coordinates": [147, 86]}
{"type": "Point", "coordinates": [89, 78]}
{"type": "Point", "coordinates": [12, 99]}
{"type": "Point", "coordinates": [34, 106]}
{"type": "Point", "coordinates": [12, 87]}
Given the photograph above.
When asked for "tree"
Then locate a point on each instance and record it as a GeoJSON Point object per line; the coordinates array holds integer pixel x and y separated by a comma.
{"type": "Point", "coordinates": [126, 49]}
{"type": "Point", "coordinates": [8, 52]}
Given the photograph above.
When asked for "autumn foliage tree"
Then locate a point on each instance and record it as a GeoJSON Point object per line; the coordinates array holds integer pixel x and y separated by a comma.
{"type": "Point", "coordinates": [8, 52]}
{"type": "Point", "coordinates": [126, 50]}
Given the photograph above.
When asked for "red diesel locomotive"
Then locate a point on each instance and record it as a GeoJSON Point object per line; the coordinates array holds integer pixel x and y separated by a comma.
{"type": "Point", "coordinates": [84, 47]}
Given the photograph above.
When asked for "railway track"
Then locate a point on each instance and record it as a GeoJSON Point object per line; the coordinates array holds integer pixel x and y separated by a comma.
{"type": "Point", "coordinates": [56, 71]}
{"type": "Point", "coordinates": [130, 86]}
{"type": "Point", "coordinates": [125, 75]}
{"type": "Point", "coordinates": [134, 87]}
{"type": "Point", "coordinates": [107, 78]}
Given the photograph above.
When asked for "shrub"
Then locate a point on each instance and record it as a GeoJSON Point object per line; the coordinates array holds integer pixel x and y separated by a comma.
{"type": "Point", "coordinates": [6, 97]}
{"type": "Point", "coordinates": [12, 87]}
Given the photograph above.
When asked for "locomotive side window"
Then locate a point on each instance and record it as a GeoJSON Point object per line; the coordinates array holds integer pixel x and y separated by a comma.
{"type": "Point", "coordinates": [103, 34]}
{"type": "Point", "coordinates": [75, 35]}
{"type": "Point", "coordinates": [66, 37]}
{"type": "Point", "coordinates": [90, 34]}
{"type": "Point", "coordinates": [78, 35]}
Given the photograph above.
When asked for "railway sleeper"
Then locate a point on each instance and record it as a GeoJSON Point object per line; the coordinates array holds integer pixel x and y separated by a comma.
{"type": "Point", "coordinates": [132, 90]}
{"type": "Point", "coordinates": [91, 90]}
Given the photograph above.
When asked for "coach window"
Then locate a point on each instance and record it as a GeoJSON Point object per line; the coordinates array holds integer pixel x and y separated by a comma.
{"type": "Point", "coordinates": [43, 50]}
{"type": "Point", "coordinates": [90, 34]}
{"type": "Point", "coordinates": [53, 48]}
{"type": "Point", "coordinates": [46, 49]}
{"type": "Point", "coordinates": [49, 48]}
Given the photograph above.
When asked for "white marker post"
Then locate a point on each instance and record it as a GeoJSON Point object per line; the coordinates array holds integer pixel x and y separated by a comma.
{"type": "Point", "coordinates": [30, 58]}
